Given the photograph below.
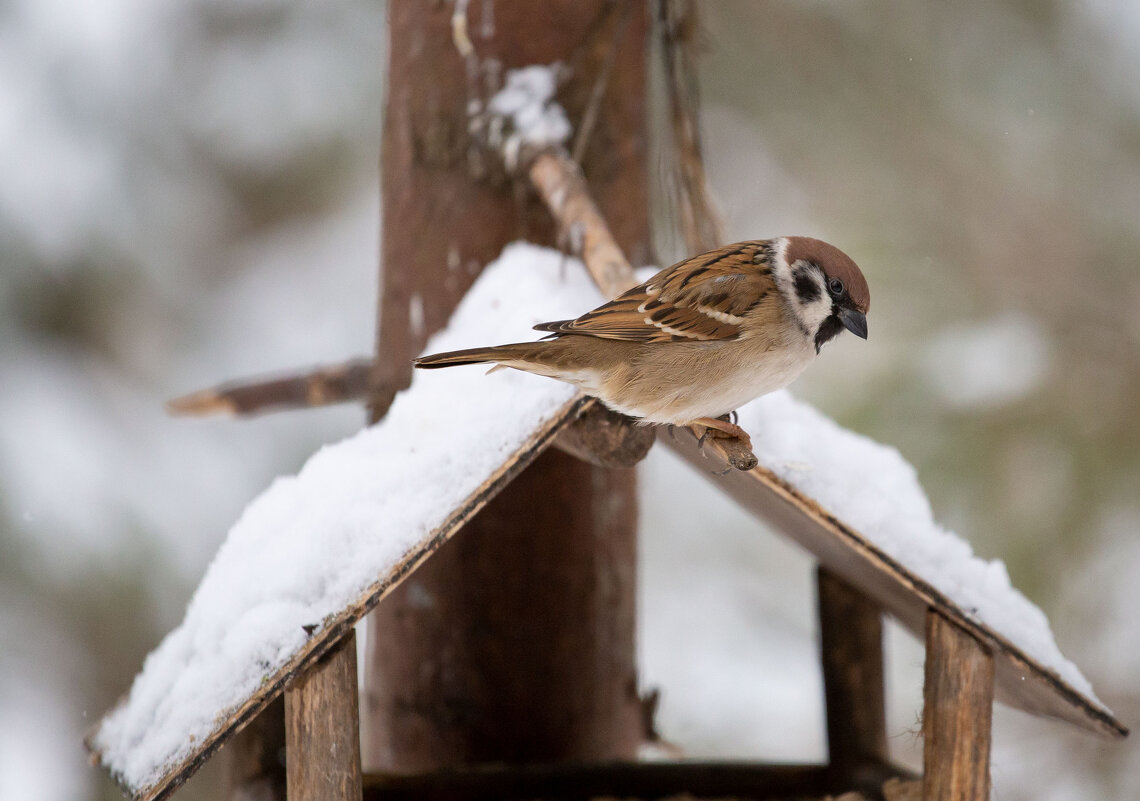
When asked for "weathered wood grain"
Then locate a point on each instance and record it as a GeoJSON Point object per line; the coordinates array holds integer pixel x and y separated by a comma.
{"type": "Point", "coordinates": [322, 728]}
{"type": "Point", "coordinates": [958, 705]}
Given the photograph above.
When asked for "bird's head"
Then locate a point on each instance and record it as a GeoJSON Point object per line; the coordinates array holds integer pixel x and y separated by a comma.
{"type": "Point", "coordinates": [826, 288]}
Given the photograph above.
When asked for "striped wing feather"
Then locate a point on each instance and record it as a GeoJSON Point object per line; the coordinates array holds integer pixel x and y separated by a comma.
{"type": "Point", "coordinates": [704, 298]}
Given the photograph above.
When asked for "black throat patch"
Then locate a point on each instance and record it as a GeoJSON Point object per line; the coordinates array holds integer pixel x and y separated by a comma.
{"type": "Point", "coordinates": [828, 329]}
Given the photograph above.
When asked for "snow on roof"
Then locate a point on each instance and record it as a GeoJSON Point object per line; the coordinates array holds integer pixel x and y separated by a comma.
{"type": "Point", "coordinates": [875, 491]}
{"type": "Point", "coordinates": [314, 543]}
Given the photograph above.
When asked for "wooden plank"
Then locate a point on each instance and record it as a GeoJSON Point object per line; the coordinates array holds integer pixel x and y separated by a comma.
{"type": "Point", "coordinates": [851, 651]}
{"type": "Point", "coordinates": [322, 728]}
{"type": "Point", "coordinates": [957, 713]}
{"type": "Point", "coordinates": [1021, 681]}
{"type": "Point", "coordinates": [565, 781]}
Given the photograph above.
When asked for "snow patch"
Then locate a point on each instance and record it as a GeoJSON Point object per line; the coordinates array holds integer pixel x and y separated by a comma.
{"type": "Point", "coordinates": [313, 543]}
{"type": "Point", "coordinates": [873, 489]}
{"type": "Point", "coordinates": [527, 101]}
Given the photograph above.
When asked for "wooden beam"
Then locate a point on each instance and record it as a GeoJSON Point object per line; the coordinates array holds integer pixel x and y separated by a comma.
{"type": "Point", "coordinates": [851, 651]}
{"type": "Point", "coordinates": [573, 781]}
{"type": "Point", "coordinates": [957, 713]}
{"type": "Point", "coordinates": [569, 781]}
{"type": "Point", "coordinates": [322, 729]}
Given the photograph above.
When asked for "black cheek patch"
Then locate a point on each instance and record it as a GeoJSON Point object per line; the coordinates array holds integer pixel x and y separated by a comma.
{"type": "Point", "coordinates": [806, 289]}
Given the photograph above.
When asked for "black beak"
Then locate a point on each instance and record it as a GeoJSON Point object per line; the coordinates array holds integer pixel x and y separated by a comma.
{"type": "Point", "coordinates": [854, 321]}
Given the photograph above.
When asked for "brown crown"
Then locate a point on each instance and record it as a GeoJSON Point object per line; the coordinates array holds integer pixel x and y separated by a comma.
{"type": "Point", "coordinates": [835, 263]}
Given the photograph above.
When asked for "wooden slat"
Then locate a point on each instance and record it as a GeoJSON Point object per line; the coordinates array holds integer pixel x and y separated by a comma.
{"type": "Point", "coordinates": [574, 781]}
{"type": "Point", "coordinates": [322, 729]}
{"type": "Point", "coordinates": [957, 714]}
{"type": "Point", "coordinates": [851, 651]}
{"type": "Point", "coordinates": [1021, 681]}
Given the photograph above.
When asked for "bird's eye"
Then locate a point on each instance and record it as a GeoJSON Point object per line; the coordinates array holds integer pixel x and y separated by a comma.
{"type": "Point", "coordinates": [835, 287]}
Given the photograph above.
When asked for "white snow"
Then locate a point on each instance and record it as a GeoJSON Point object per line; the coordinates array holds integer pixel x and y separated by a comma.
{"type": "Point", "coordinates": [313, 543]}
{"type": "Point", "coordinates": [527, 101]}
{"type": "Point", "coordinates": [873, 489]}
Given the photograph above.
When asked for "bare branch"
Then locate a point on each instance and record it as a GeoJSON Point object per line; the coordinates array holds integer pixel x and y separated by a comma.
{"type": "Point", "coordinates": [605, 438]}
{"type": "Point", "coordinates": [561, 186]}
{"type": "Point", "coordinates": [320, 386]}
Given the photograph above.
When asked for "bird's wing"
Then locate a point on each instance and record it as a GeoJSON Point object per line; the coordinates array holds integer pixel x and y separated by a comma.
{"type": "Point", "coordinates": [704, 298]}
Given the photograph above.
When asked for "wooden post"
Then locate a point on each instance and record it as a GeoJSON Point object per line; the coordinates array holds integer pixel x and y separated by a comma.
{"type": "Point", "coordinates": [851, 645]}
{"type": "Point", "coordinates": [515, 641]}
{"type": "Point", "coordinates": [957, 714]}
{"type": "Point", "coordinates": [322, 729]}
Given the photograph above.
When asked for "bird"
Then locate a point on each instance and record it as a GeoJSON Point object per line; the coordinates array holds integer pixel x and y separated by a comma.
{"type": "Point", "coordinates": [700, 338]}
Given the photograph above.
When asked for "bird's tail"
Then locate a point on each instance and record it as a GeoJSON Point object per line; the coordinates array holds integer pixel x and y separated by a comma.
{"type": "Point", "coordinates": [502, 354]}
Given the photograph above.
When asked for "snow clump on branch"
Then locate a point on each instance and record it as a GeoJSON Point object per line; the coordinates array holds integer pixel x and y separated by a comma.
{"type": "Point", "coordinates": [525, 108]}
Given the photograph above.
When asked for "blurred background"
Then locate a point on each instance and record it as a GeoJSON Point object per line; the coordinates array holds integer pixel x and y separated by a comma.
{"type": "Point", "coordinates": [188, 193]}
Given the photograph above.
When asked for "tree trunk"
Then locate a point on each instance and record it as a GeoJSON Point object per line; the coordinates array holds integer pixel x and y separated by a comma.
{"type": "Point", "coordinates": [515, 642]}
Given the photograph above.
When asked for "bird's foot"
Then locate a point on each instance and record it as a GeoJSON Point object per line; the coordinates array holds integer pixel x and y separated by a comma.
{"type": "Point", "coordinates": [735, 442]}
{"type": "Point", "coordinates": [722, 428]}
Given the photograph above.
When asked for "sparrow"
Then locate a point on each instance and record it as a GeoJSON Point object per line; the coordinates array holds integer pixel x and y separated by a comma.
{"type": "Point", "coordinates": [701, 338]}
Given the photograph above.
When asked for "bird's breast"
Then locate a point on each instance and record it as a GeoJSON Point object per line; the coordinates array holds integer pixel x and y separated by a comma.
{"type": "Point", "coordinates": [708, 381]}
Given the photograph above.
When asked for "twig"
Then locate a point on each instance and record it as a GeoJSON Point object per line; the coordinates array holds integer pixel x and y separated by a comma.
{"type": "Point", "coordinates": [560, 184]}
{"type": "Point", "coordinates": [605, 438]}
{"type": "Point", "coordinates": [320, 386]}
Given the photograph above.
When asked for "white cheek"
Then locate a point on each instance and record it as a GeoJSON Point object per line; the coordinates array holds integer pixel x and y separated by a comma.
{"type": "Point", "coordinates": [813, 314]}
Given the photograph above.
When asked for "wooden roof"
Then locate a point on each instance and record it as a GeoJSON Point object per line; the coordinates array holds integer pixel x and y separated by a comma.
{"type": "Point", "coordinates": [1021, 682]}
